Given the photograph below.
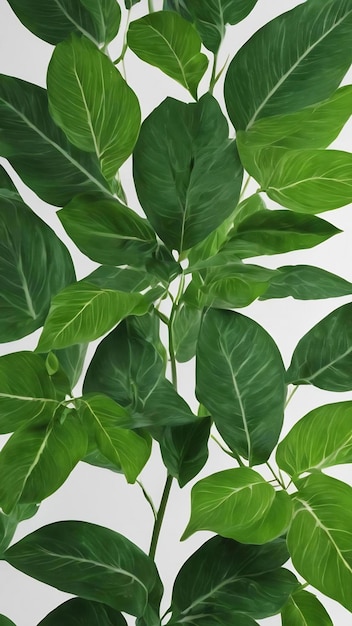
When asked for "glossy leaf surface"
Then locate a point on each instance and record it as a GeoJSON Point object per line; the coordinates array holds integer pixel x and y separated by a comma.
{"type": "Point", "coordinates": [186, 327]}
{"type": "Point", "coordinates": [91, 102]}
{"type": "Point", "coordinates": [305, 282]}
{"type": "Point", "coordinates": [304, 609]}
{"type": "Point", "coordinates": [79, 612]}
{"type": "Point", "coordinates": [180, 179]}
{"type": "Point", "coordinates": [233, 286]}
{"type": "Point", "coordinates": [185, 449]}
{"type": "Point", "coordinates": [242, 386]}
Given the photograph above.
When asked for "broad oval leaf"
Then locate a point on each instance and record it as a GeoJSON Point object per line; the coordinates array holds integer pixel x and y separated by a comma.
{"type": "Point", "coordinates": [304, 609]}
{"type": "Point", "coordinates": [323, 522]}
{"type": "Point", "coordinates": [184, 166]}
{"type": "Point", "coordinates": [306, 282]}
{"type": "Point", "coordinates": [169, 42]}
{"type": "Point", "coordinates": [273, 523]}
{"type": "Point", "coordinates": [107, 231]}
{"type": "Point", "coordinates": [93, 562]}
{"type": "Point", "coordinates": [91, 102]}
{"type": "Point", "coordinates": [83, 312]}
{"type": "Point", "coordinates": [54, 21]}
{"type": "Point", "coordinates": [290, 67]}
{"type": "Point", "coordinates": [323, 357]}
{"type": "Point", "coordinates": [38, 150]}
{"type": "Point", "coordinates": [240, 379]}
{"type": "Point", "coordinates": [322, 438]}
{"type": "Point", "coordinates": [79, 612]}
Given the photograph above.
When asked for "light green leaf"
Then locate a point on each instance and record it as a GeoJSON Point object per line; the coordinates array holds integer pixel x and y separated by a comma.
{"type": "Point", "coordinates": [319, 539]}
{"type": "Point", "coordinates": [240, 379]}
{"type": "Point", "coordinates": [83, 312]}
{"type": "Point", "coordinates": [304, 609]}
{"type": "Point", "coordinates": [184, 166]}
{"type": "Point", "coordinates": [185, 449]}
{"type": "Point", "coordinates": [290, 67]}
{"type": "Point", "coordinates": [185, 329]}
{"type": "Point", "coordinates": [90, 101]}
{"type": "Point", "coordinates": [38, 150]}
{"type": "Point", "coordinates": [323, 357]}
{"type": "Point", "coordinates": [90, 561]}
{"type": "Point", "coordinates": [247, 208]}
{"type": "Point", "coordinates": [54, 21]}
{"type": "Point", "coordinates": [233, 284]}
{"type": "Point", "coordinates": [322, 438]}
{"type": "Point", "coordinates": [9, 523]}
{"type": "Point", "coordinates": [169, 42]}
{"type": "Point", "coordinates": [79, 612]}
{"type": "Point", "coordinates": [107, 231]}
{"type": "Point", "coordinates": [36, 460]}
{"type": "Point", "coordinates": [305, 282]}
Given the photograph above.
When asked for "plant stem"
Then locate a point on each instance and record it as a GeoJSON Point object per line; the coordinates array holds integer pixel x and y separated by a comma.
{"type": "Point", "coordinates": [213, 74]}
{"type": "Point", "coordinates": [148, 498]}
{"type": "Point", "coordinates": [125, 45]}
{"type": "Point", "coordinates": [290, 395]}
{"type": "Point", "coordinates": [244, 188]}
{"type": "Point", "coordinates": [150, 6]}
{"type": "Point", "coordinates": [171, 337]}
{"type": "Point", "coordinates": [233, 455]}
{"type": "Point", "coordinates": [160, 517]}
{"type": "Point", "coordinates": [279, 481]}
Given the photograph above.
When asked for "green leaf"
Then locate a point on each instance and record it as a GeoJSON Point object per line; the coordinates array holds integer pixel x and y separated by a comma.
{"type": "Point", "coordinates": [227, 578]}
{"type": "Point", "coordinates": [26, 391]}
{"type": "Point", "coordinates": [275, 232]}
{"type": "Point", "coordinates": [162, 265]}
{"type": "Point", "coordinates": [323, 357]}
{"type": "Point", "coordinates": [38, 150]}
{"type": "Point", "coordinates": [240, 379]}
{"type": "Point", "coordinates": [79, 612]}
{"type": "Point", "coordinates": [165, 407]}
{"type": "Point", "coordinates": [307, 181]}
{"type": "Point", "coordinates": [7, 187]}
{"type": "Point", "coordinates": [185, 449]}
{"type": "Point", "coordinates": [71, 361]}
{"type": "Point", "coordinates": [130, 3]}
{"type": "Point", "coordinates": [107, 231]}
{"type": "Point", "coordinates": [36, 460]}
{"type": "Point", "coordinates": [185, 329]}
{"type": "Point", "coordinates": [34, 266]}
{"type": "Point", "coordinates": [322, 438]}
{"type": "Point", "coordinates": [290, 67]}
{"type": "Point", "coordinates": [323, 523]}
{"type": "Point", "coordinates": [54, 21]}
{"type": "Point", "coordinates": [93, 562]}
{"type": "Point", "coordinates": [233, 284]}
{"type": "Point", "coordinates": [9, 523]}
{"type": "Point", "coordinates": [97, 110]}
{"type": "Point", "coordinates": [247, 208]}
{"type": "Point", "coordinates": [121, 279]}
{"type": "Point", "coordinates": [305, 282]}
{"type": "Point", "coordinates": [5, 621]}
{"type": "Point", "coordinates": [304, 609]}
{"type": "Point", "coordinates": [83, 312]}
{"type": "Point", "coordinates": [124, 448]}
{"type": "Point", "coordinates": [184, 166]}
{"type": "Point", "coordinates": [169, 42]}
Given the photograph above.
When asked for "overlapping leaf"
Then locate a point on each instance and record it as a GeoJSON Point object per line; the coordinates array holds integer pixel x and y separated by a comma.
{"type": "Point", "coordinates": [79, 612]}
{"type": "Point", "coordinates": [185, 449]}
{"type": "Point", "coordinates": [306, 282]}
{"type": "Point", "coordinates": [9, 523]}
{"type": "Point", "coordinates": [232, 284]}
{"type": "Point", "coordinates": [304, 609]}
{"type": "Point", "coordinates": [186, 327]}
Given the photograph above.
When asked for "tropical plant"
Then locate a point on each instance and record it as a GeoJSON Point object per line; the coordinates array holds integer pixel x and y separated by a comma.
{"type": "Point", "coordinates": [186, 265]}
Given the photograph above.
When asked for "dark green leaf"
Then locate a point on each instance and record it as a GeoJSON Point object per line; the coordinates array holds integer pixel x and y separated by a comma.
{"type": "Point", "coordinates": [240, 379]}
{"type": "Point", "coordinates": [34, 266]}
{"type": "Point", "coordinates": [130, 3]}
{"type": "Point", "coordinates": [162, 265]}
{"type": "Point", "coordinates": [305, 282]}
{"type": "Point", "coordinates": [184, 166]}
{"type": "Point", "coordinates": [228, 578]}
{"type": "Point", "coordinates": [185, 449]}
{"type": "Point", "coordinates": [165, 407]}
{"type": "Point", "coordinates": [322, 438]}
{"type": "Point", "coordinates": [323, 357]}
{"type": "Point", "coordinates": [93, 562]}
{"type": "Point", "coordinates": [38, 150]}
{"type": "Point", "coordinates": [290, 67]}
{"type": "Point", "coordinates": [179, 6]}
{"type": "Point", "coordinates": [169, 42]}
{"type": "Point", "coordinates": [319, 539]}
{"type": "Point", "coordinates": [233, 284]}
{"type": "Point", "coordinates": [121, 279]}
{"type": "Point", "coordinates": [185, 329]}
{"type": "Point", "coordinates": [9, 523]}
{"type": "Point", "coordinates": [107, 231]}
{"type": "Point", "coordinates": [7, 187]}
{"type": "Point", "coordinates": [5, 621]}
{"type": "Point", "coordinates": [54, 21]}
{"type": "Point", "coordinates": [97, 110]}
{"type": "Point", "coordinates": [247, 208]}
{"type": "Point", "coordinates": [83, 312]}
{"type": "Point", "coordinates": [304, 609]}
{"type": "Point", "coordinates": [79, 612]}
{"type": "Point", "coordinates": [71, 360]}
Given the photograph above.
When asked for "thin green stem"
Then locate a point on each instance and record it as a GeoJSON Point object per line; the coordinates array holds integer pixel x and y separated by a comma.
{"type": "Point", "coordinates": [277, 478]}
{"type": "Point", "coordinates": [244, 188]}
{"type": "Point", "coordinates": [213, 74]}
{"type": "Point", "coordinates": [162, 317]}
{"type": "Point", "coordinates": [150, 6]}
{"type": "Point", "coordinates": [233, 455]}
{"type": "Point", "coordinates": [124, 45]}
{"type": "Point", "coordinates": [290, 395]}
{"type": "Point", "coordinates": [148, 498]}
{"type": "Point", "coordinates": [160, 517]}
{"type": "Point", "coordinates": [175, 304]}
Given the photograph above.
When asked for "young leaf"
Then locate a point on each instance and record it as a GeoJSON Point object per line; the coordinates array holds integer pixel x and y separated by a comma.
{"type": "Point", "coordinates": [304, 609]}
{"type": "Point", "coordinates": [323, 522]}
{"type": "Point", "coordinates": [227, 578]}
{"type": "Point", "coordinates": [34, 266]}
{"type": "Point", "coordinates": [93, 562]}
{"type": "Point", "coordinates": [36, 460]}
{"type": "Point", "coordinates": [305, 282]}
{"type": "Point", "coordinates": [290, 67]}
{"type": "Point", "coordinates": [38, 150]}
{"type": "Point", "coordinates": [107, 231]}
{"type": "Point", "coordinates": [184, 166]}
{"type": "Point", "coordinates": [185, 449]}
{"type": "Point", "coordinates": [185, 328]}
{"type": "Point", "coordinates": [323, 357]}
{"type": "Point", "coordinates": [322, 438]}
{"type": "Point", "coordinates": [83, 312]}
{"type": "Point", "coordinates": [90, 101]}
{"type": "Point", "coordinates": [169, 42]}
{"type": "Point", "coordinates": [54, 21]}
{"type": "Point", "coordinates": [79, 612]}
{"type": "Point", "coordinates": [240, 379]}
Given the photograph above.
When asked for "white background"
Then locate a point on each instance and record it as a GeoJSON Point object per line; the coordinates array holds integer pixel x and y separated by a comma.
{"type": "Point", "coordinates": [99, 496]}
